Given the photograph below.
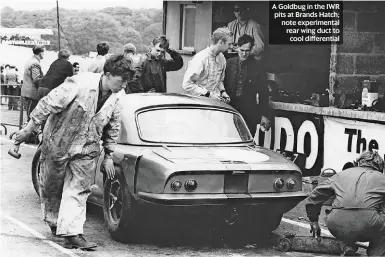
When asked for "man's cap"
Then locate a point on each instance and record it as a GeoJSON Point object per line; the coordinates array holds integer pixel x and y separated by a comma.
{"type": "Point", "coordinates": [130, 47]}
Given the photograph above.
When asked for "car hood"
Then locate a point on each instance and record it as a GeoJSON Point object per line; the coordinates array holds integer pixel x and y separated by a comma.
{"type": "Point", "coordinates": [215, 155]}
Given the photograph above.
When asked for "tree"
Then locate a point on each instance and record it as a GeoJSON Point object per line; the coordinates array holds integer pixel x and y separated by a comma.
{"type": "Point", "coordinates": [82, 30]}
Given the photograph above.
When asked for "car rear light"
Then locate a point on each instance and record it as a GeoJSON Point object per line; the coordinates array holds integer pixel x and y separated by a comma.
{"type": "Point", "coordinates": [291, 183]}
{"type": "Point", "coordinates": [176, 185]}
{"type": "Point", "coordinates": [279, 184]}
{"type": "Point", "coordinates": [190, 185]}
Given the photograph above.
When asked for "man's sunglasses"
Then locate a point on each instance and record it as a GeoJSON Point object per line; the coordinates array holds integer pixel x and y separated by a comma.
{"type": "Point", "coordinates": [236, 9]}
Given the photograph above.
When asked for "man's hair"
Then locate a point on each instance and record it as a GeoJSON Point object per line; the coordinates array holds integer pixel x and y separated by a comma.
{"type": "Point", "coordinates": [118, 65]}
{"type": "Point", "coordinates": [370, 159]}
{"type": "Point", "coordinates": [64, 54]}
{"type": "Point", "coordinates": [245, 39]}
{"type": "Point", "coordinates": [37, 49]}
{"type": "Point", "coordinates": [102, 48]}
{"type": "Point", "coordinates": [162, 40]}
{"type": "Point", "coordinates": [75, 64]}
{"type": "Point", "coordinates": [221, 34]}
{"type": "Point", "coordinates": [7, 65]}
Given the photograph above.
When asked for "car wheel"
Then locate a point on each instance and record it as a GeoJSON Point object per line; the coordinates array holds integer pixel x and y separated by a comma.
{"type": "Point", "coordinates": [118, 209]}
{"type": "Point", "coordinates": [36, 171]}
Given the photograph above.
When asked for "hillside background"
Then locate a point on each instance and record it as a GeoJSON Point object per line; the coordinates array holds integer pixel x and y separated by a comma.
{"type": "Point", "coordinates": [82, 30]}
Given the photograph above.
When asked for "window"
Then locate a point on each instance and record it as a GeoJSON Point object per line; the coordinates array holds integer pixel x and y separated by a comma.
{"type": "Point", "coordinates": [188, 26]}
{"type": "Point", "coordinates": [192, 126]}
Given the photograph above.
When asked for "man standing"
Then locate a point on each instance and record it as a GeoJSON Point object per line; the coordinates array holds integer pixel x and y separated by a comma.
{"type": "Point", "coordinates": [82, 111]}
{"type": "Point", "coordinates": [154, 65]}
{"type": "Point", "coordinates": [244, 25]}
{"type": "Point", "coordinates": [246, 83]}
{"type": "Point", "coordinates": [133, 85]}
{"type": "Point", "coordinates": [31, 79]}
{"type": "Point", "coordinates": [57, 73]}
{"type": "Point", "coordinates": [98, 63]}
{"type": "Point", "coordinates": [206, 70]}
{"type": "Point", "coordinates": [12, 80]}
{"type": "Point", "coordinates": [75, 68]}
{"type": "Point", "coordinates": [358, 211]}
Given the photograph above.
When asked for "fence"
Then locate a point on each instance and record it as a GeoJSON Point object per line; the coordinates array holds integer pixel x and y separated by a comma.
{"type": "Point", "coordinates": [12, 107]}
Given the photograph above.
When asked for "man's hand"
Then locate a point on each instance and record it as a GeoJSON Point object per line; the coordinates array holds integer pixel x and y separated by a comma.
{"type": "Point", "coordinates": [226, 97]}
{"type": "Point", "coordinates": [315, 229]}
{"type": "Point", "coordinates": [21, 136]}
{"type": "Point", "coordinates": [265, 123]}
{"type": "Point", "coordinates": [215, 96]}
{"type": "Point", "coordinates": [108, 167]}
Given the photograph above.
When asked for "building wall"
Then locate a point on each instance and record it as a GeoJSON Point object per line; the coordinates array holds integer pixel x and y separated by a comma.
{"type": "Point", "coordinates": [362, 55]}
{"type": "Point", "coordinates": [203, 23]}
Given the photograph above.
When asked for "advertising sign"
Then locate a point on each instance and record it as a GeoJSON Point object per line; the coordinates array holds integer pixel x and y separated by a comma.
{"type": "Point", "coordinates": [346, 139]}
{"type": "Point", "coordinates": [299, 133]}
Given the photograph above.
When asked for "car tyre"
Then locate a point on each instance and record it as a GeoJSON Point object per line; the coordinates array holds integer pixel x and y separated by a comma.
{"type": "Point", "coordinates": [36, 171]}
{"type": "Point", "coordinates": [118, 208]}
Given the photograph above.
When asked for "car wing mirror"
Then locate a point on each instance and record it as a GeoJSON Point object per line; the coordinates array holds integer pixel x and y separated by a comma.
{"type": "Point", "coordinates": [327, 173]}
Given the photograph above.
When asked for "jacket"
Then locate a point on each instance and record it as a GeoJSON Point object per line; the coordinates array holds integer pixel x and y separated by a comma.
{"type": "Point", "coordinates": [73, 127]}
{"type": "Point", "coordinates": [354, 188]}
{"type": "Point", "coordinates": [97, 65]}
{"type": "Point", "coordinates": [12, 78]}
{"type": "Point", "coordinates": [254, 82]}
{"type": "Point", "coordinates": [57, 73]}
{"type": "Point", "coordinates": [153, 72]}
{"type": "Point", "coordinates": [32, 76]}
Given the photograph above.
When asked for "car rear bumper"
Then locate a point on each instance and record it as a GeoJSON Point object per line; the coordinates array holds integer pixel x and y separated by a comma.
{"type": "Point", "coordinates": [287, 198]}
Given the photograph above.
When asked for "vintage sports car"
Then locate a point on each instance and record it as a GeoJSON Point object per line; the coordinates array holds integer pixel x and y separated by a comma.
{"type": "Point", "coordinates": [182, 153]}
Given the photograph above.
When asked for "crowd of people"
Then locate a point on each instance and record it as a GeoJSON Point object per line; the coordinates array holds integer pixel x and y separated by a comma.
{"type": "Point", "coordinates": [81, 108]}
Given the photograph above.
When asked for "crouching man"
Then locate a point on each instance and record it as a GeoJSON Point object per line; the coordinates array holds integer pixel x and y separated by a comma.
{"type": "Point", "coordinates": [358, 210]}
{"type": "Point", "coordinates": [80, 112]}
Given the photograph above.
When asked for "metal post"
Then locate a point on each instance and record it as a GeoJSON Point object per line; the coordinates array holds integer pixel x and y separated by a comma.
{"type": "Point", "coordinates": [58, 23]}
{"type": "Point", "coordinates": [21, 116]}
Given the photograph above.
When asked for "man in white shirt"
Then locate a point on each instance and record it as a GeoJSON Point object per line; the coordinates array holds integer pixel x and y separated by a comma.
{"type": "Point", "coordinates": [99, 61]}
{"type": "Point", "coordinates": [206, 70]}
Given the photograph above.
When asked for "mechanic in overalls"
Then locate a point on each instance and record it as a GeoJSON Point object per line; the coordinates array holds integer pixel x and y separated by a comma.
{"type": "Point", "coordinates": [358, 210]}
{"type": "Point", "coordinates": [83, 110]}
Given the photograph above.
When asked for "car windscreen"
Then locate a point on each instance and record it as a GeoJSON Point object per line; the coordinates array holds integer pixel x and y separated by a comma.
{"type": "Point", "coordinates": [192, 126]}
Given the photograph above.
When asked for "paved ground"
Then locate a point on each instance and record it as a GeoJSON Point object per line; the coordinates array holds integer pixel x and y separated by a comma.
{"type": "Point", "coordinates": [24, 234]}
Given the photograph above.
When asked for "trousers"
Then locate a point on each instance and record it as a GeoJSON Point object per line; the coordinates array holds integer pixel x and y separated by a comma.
{"type": "Point", "coordinates": [362, 225]}
{"type": "Point", "coordinates": [31, 104]}
{"type": "Point", "coordinates": [65, 184]}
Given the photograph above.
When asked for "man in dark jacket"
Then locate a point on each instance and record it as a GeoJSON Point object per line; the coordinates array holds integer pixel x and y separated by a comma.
{"type": "Point", "coordinates": [246, 83]}
{"type": "Point", "coordinates": [57, 73]}
{"type": "Point", "coordinates": [358, 211]}
{"type": "Point", "coordinates": [154, 66]}
{"type": "Point", "coordinates": [31, 79]}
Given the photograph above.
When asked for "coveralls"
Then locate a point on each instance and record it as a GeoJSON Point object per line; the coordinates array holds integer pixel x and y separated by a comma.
{"type": "Point", "coordinates": [205, 72]}
{"type": "Point", "coordinates": [358, 209]}
{"type": "Point", "coordinates": [70, 148]}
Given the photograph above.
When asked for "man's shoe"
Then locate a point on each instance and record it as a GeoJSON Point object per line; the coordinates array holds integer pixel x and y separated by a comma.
{"type": "Point", "coordinates": [78, 242]}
